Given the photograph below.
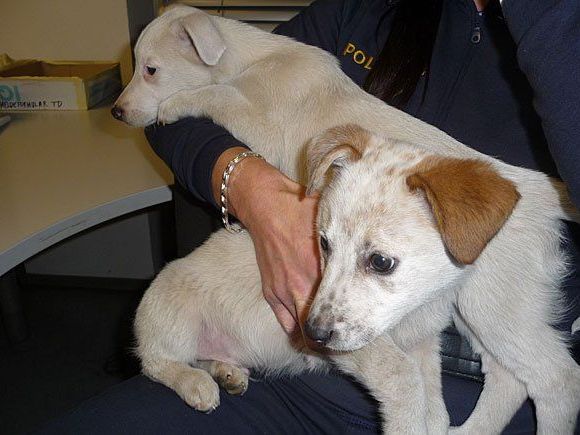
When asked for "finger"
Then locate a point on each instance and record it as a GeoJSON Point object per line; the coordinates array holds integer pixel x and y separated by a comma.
{"type": "Point", "coordinates": [301, 309]}
{"type": "Point", "coordinates": [282, 313]}
{"type": "Point", "coordinates": [285, 318]}
{"type": "Point", "coordinates": [298, 310]}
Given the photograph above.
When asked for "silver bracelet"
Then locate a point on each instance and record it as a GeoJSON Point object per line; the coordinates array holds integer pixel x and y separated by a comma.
{"type": "Point", "coordinates": [232, 228]}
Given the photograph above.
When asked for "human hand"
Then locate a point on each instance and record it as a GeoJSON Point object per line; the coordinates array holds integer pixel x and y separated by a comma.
{"type": "Point", "coordinates": [281, 221]}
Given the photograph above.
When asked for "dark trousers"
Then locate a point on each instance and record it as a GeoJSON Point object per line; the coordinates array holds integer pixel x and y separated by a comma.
{"type": "Point", "coordinates": [307, 404]}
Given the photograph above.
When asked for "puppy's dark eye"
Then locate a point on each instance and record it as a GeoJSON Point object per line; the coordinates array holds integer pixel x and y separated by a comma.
{"type": "Point", "coordinates": [151, 70]}
{"type": "Point", "coordinates": [381, 264]}
{"type": "Point", "coordinates": [323, 243]}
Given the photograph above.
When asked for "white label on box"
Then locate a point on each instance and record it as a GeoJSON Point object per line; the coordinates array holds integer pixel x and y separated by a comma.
{"type": "Point", "coordinates": [38, 95]}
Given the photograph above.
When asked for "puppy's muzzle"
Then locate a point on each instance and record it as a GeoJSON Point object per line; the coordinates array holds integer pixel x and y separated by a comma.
{"type": "Point", "coordinates": [318, 332]}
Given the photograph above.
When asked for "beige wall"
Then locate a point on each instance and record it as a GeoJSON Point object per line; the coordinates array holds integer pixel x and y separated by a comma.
{"type": "Point", "coordinates": [66, 30]}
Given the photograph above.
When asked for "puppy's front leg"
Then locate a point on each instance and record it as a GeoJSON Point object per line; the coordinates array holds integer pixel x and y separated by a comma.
{"type": "Point", "coordinates": [428, 357]}
{"type": "Point", "coordinates": [500, 399]}
{"type": "Point", "coordinates": [217, 102]}
{"type": "Point", "coordinates": [393, 378]}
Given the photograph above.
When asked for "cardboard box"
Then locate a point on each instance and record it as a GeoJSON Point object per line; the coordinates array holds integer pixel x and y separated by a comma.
{"type": "Point", "coordinates": [56, 85]}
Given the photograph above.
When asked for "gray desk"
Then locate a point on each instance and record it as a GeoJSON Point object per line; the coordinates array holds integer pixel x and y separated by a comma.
{"type": "Point", "coordinates": [65, 172]}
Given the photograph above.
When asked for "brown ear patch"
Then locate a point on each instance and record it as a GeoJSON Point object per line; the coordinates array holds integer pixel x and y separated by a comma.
{"type": "Point", "coordinates": [469, 199]}
{"type": "Point", "coordinates": [333, 147]}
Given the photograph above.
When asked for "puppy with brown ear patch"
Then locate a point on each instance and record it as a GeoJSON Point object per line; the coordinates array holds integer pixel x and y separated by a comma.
{"type": "Point", "coordinates": [410, 239]}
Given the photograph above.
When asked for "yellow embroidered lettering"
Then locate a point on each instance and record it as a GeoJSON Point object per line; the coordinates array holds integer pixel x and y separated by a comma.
{"type": "Point", "coordinates": [348, 49]}
{"type": "Point", "coordinates": [369, 63]}
{"type": "Point", "coordinates": [359, 57]}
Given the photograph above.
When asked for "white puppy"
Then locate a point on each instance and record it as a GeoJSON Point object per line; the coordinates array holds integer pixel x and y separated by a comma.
{"type": "Point", "coordinates": [411, 263]}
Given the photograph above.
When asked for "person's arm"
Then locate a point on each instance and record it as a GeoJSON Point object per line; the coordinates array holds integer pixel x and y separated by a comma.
{"type": "Point", "coordinates": [280, 220]}
{"type": "Point", "coordinates": [191, 147]}
{"type": "Point", "coordinates": [547, 34]}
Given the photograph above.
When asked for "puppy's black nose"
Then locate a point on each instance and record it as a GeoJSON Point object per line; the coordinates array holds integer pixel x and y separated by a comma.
{"type": "Point", "coordinates": [318, 334]}
{"type": "Point", "coordinates": [117, 113]}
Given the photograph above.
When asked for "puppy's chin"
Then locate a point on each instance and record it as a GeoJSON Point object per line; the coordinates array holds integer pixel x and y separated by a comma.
{"type": "Point", "coordinates": [138, 118]}
{"type": "Point", "coordinates": [141, 123]}
{"type": "Point", "coordinates": [348, 344]}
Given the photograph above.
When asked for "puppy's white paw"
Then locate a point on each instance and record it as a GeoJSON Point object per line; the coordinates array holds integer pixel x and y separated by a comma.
{"type": "Point", "coordinates": [233, 379]}
{"type": "Point", "coordinates": [199, 391]}
{"type": "Point", "coordinates": [169, 111]}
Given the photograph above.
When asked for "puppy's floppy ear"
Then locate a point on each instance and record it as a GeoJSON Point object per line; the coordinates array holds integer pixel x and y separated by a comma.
{"type": "Point", "coordinates": [333, 149]}
{"type": "Point", "coordinates": [470, 202]}
{"type": "Point", "coordinates": [198, 29]}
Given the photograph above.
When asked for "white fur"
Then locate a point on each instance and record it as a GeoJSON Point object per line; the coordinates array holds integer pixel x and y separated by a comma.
{"type": "Point", "coordinates": [274, 94]}
{"type": "Point", "coordinates": [576, 326]}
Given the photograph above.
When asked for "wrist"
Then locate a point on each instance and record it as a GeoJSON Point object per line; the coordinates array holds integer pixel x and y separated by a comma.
{"type": "Point", "coordinates": [252, 186]}
{"type": "Point", "coordinates": [251, 183]}
{"type": "Point", "coordinates": [219, 168]}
